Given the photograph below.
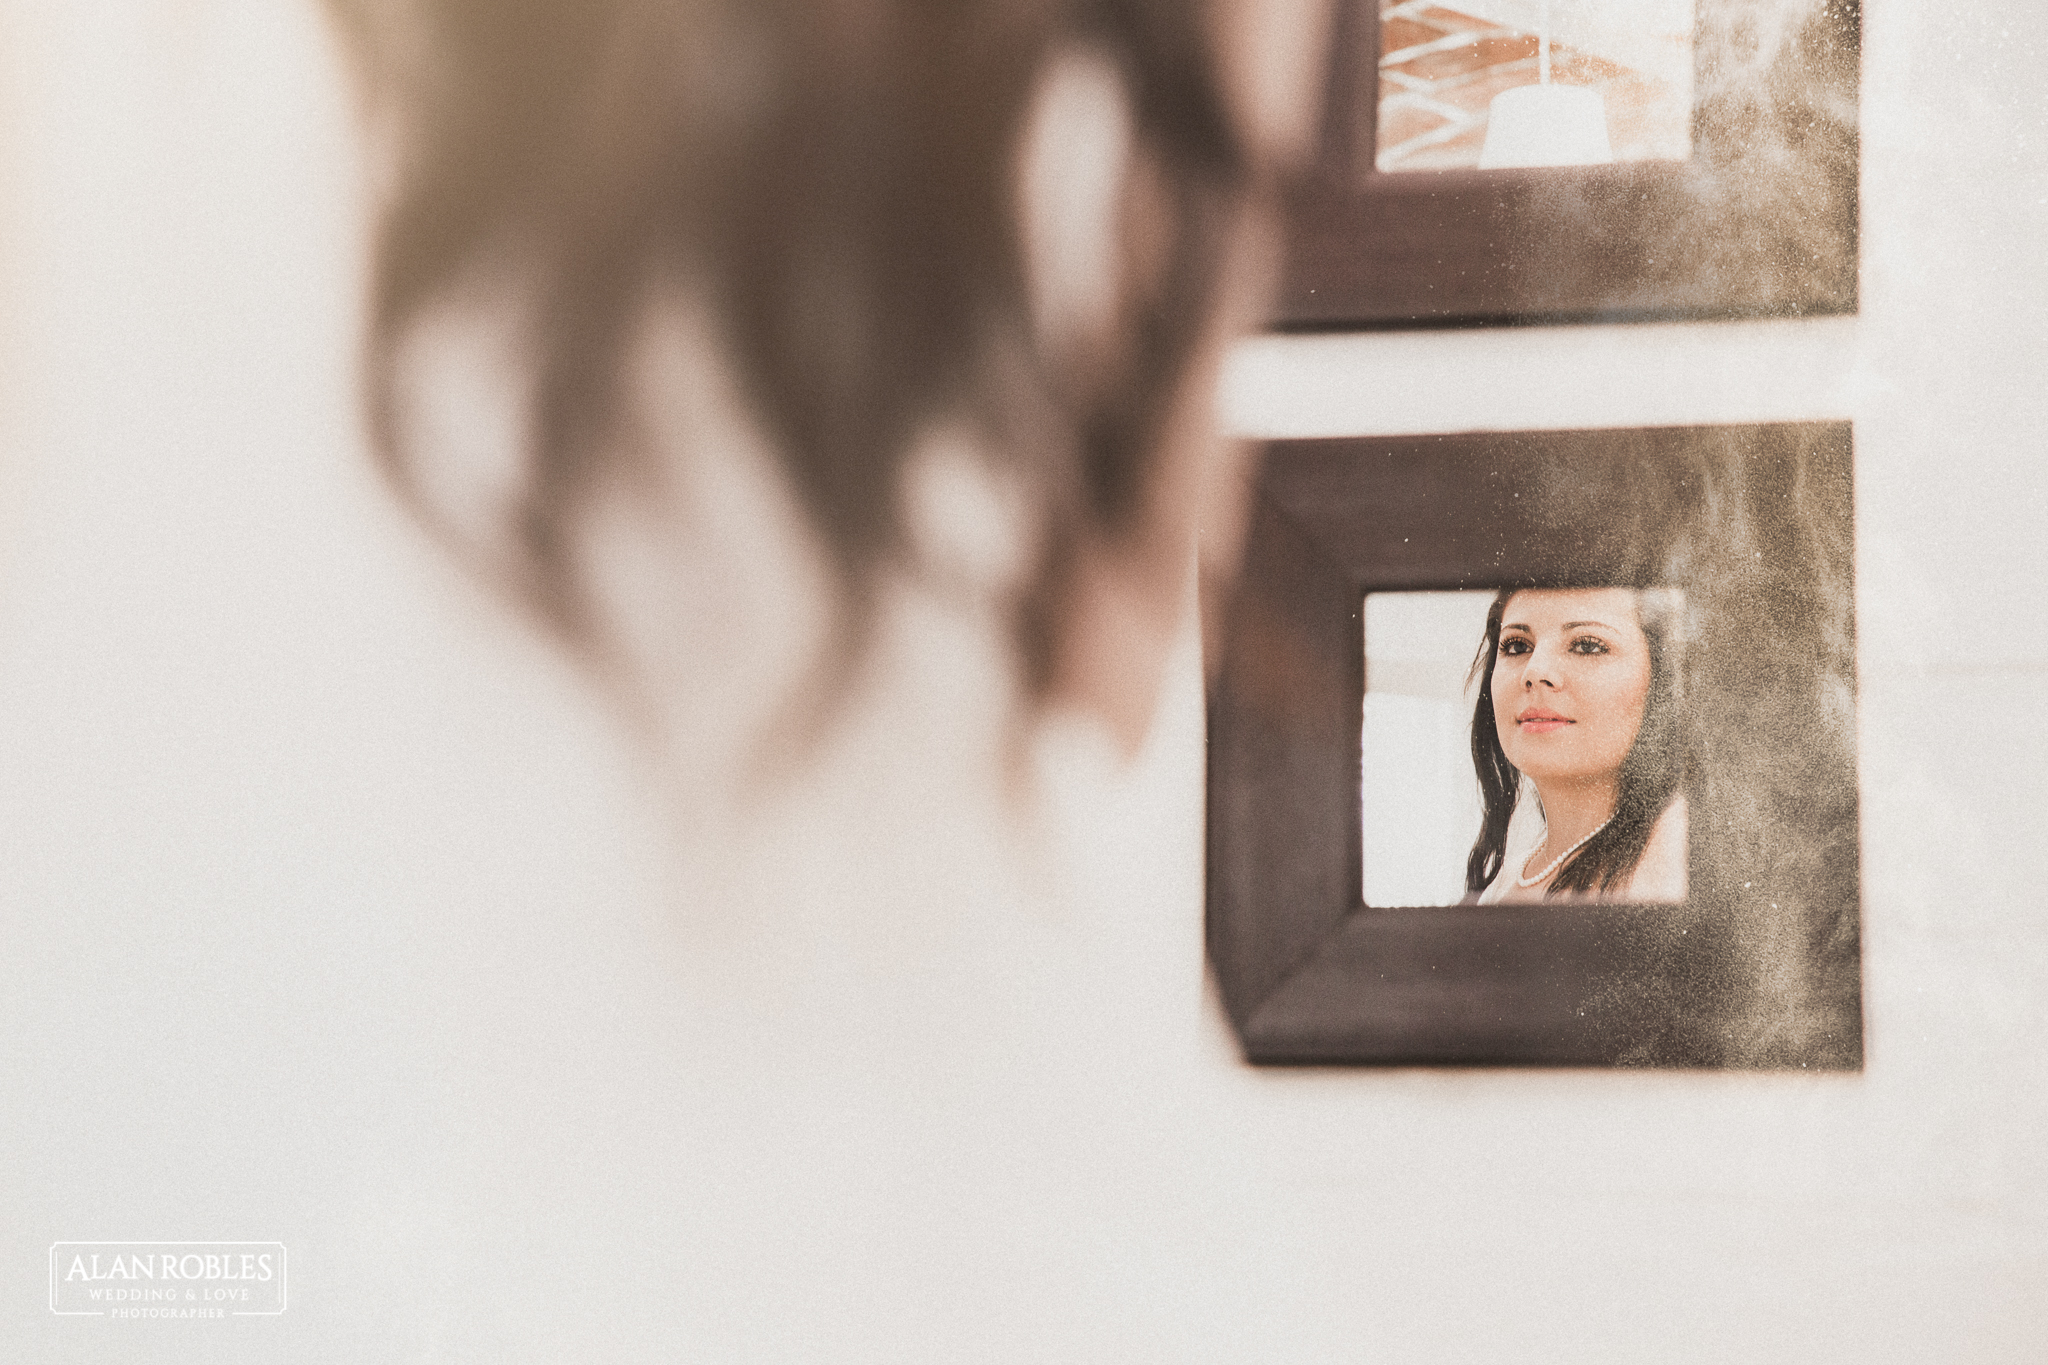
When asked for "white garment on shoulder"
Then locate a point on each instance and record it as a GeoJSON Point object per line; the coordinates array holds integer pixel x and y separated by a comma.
{"type": "Point", "coordinates": [1660, 875]}
{"type": "Point", "coordinates": [1526, 830]}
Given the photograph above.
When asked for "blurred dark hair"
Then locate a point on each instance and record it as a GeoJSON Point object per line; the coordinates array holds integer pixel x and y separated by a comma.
{"type": "Point", "coordinates": [838, 177]}
{"type": "Point", "coordinates": [1656, 766]}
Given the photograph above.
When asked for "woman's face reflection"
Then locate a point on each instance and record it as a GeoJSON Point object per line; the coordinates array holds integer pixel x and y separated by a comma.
{"type": "Point", "coordinates": [1569, 682]}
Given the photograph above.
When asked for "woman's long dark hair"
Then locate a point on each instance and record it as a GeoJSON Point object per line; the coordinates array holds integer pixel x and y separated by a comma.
{"type": "Point", "coordinates": [1651, 775]}
{"type": "Point", "coordinates": [839, 174]}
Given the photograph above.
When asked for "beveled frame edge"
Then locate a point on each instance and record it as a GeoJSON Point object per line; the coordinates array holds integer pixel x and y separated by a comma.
{"type": "Point", "coordinates": [1733, 232]}
{"type": "Point", "coordinates": [1309, 975]}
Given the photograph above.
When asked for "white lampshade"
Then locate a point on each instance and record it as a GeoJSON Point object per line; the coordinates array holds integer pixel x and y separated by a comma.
{"type": "Point", "coordinates": [1546, 125]}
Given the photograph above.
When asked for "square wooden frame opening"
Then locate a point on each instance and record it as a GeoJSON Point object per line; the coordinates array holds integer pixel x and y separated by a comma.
{"type": "Point", "coordinates": [1760, 967]}
{"type": "Point", "coordinates": [1761, 220]}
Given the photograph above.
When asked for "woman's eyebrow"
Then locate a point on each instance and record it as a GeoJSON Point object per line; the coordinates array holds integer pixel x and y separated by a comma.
{"type": "Point", "coordinates": [1574, 625]}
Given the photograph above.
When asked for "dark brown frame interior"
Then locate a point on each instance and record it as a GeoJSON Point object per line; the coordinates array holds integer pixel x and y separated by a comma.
{"type": "Point", "coordinates": [1760, 967]}
{"type": "Point", "coordinates": [1761, 221]}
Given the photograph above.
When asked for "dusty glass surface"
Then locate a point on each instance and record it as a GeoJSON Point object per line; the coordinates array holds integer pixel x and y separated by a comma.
{"type": "Point", "coordinates": [1420, 803]}
{"type": "Point", "coordinates": [1497, 83]}
{"type": "Point", "coordinates": [1595, 724]}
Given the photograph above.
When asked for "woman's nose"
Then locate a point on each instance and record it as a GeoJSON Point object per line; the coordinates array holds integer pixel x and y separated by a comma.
{"type": "Point", "coordinates": [1542, 668]}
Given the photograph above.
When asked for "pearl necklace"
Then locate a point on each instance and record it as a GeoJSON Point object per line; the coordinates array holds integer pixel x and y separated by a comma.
{"type": "Point", "coordinates": [1526, 882]}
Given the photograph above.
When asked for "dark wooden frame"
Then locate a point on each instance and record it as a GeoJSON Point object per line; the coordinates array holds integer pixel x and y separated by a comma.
{"type": "Point", "coordinates": [1761, 221]}
{"type": "Point", "coordinates": [1760, 967]}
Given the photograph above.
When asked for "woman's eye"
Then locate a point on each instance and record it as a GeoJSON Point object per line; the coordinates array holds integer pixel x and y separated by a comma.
{"type": "Point", "coordinates": [1586, 644]}
{"type": "Point", "coordinates": [1514, 646]}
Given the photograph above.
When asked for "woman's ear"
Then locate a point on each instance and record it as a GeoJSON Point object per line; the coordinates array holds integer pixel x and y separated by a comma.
{"type": "Point", "coordinates": [1274, 59]}
{"type": "Point", "coordinates": [1083, 210]}
{"type": "Point", "coordinates": [1074, 165]}
{"type": "Point", "coordinates": [1129, 598]}
{"type": "Point", "coordinates": [1080, 183]}
{"type": "Point", "coordinates": [1078, 165]}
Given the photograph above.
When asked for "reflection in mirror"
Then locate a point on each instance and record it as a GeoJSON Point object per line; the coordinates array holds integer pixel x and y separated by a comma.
{"type": "Point", "coordinates": [1420, 804]}
{"type": "Point", "coordinates": [1523, 746]}
{"type": "Point", "coordinates": [1497, 83]}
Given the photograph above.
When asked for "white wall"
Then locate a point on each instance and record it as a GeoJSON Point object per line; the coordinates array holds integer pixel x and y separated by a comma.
{"type": "Point", "coordinates": [305, 858]}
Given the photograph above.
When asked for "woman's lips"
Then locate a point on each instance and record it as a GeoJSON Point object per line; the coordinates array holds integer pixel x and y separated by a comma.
{"type": "Point", "coordinates": [1540, 722]}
